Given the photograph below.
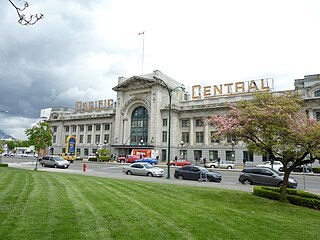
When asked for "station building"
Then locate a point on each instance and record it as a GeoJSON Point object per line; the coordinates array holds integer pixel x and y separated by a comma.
{"type": "Point", "coordinates": [139, 118]}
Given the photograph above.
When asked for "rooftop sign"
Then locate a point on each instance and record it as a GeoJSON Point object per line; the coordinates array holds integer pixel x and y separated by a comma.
{"type": "Point", "coordinates": [94, 105]}
{"type": "Point", "coordinates": [199, 92]}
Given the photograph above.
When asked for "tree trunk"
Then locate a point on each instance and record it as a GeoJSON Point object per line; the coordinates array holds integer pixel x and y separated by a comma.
{"type": "Point", "coordinates": [36, 167]}
{"type": "Point", "coordinates": [283, 188]}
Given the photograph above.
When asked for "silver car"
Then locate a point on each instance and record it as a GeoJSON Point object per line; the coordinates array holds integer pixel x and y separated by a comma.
{"type": "Point", "coordinates": [144, 169]}
{"type": "Point", "coordinates": [54, 161]}
{"type": "Point", "coordinates": [222, 164]}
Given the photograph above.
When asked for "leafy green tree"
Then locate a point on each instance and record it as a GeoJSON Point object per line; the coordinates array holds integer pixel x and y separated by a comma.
{"type": "Point", "coordinates": [39, 136]}
{"type": "Point", "coordinates": [275, 126]}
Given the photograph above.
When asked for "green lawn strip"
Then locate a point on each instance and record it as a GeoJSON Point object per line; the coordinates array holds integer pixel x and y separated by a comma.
{"type": "Point", "coordinates": [43, 212]}
{"type": "Point", "coordinates": [83, 207]}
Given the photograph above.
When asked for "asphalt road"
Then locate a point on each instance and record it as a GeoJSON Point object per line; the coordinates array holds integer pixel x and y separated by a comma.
{"type": "Point", "coordinates": [307, 182]}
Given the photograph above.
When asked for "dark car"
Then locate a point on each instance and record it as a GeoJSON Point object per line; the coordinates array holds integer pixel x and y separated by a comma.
{"type": "Point", "coordinates": [190, 172]}
{"type": "Point", "coordinates": [264, 176]}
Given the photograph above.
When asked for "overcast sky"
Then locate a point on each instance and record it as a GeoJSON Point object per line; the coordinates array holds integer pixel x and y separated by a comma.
{"type": "Point", "coordinates": [81, 47]}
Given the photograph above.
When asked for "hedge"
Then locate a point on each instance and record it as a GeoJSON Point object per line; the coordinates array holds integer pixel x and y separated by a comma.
{"type": "Point", "coordinates": [3, 165]}
{"type": "Point", "coordinates": [294, 196]}
{"type": "Point", "coordinates": [316, 170]}
{"type": "Point", "coordinates": [104, 158]}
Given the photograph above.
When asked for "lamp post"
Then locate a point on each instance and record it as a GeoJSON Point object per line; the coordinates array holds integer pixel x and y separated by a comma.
{"type": "Point", "coordinates": [97, 153]}
{"type": "Point", "coordinates": [182, 145]}
{"type": "Point", "coordinates": [232, 152]}
{"type": "Point", "coordinates": [105, 144]}
{"type": "Point", "coordinates": [170, 90]}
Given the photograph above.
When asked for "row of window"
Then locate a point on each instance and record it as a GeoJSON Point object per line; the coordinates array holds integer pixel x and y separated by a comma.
{"type": "Point", "coordinates": [89, 138]}
{"type": "Point", "coordinates": [213, 155]}
{"type": "Point", "coordinates": [184, 122]}
{"type": "Point", "coordinates": [199, 137]}
{"type": "Point", "coordinates": [81, 128]}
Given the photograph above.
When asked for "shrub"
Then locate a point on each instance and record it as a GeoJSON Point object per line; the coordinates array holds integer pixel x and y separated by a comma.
{"type": "Point", "coordinates": [3, 165]}
{"type": "Point", "coordinates": [304, 201]}
{"type": "Point", "coordinates": [296, 197]}
{"type": "Point", "coordinates": [266, 192]}
{"type": "Point", "coordinates": [104, 158]}
{"type": "Point", "coordinates": [316, 170]}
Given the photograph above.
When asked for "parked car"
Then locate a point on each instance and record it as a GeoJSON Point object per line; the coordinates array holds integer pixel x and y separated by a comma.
{"type": "Point", "coordinates": [276, 165]}
{"type": "Point", "coordinates": [180, 162]}
{"type": "Point", "coordinates": [29, 155]}
{"type": "Point", "coordinates": [92, 157]}
{"type": "Point", "coordinates": [128, 158]}
{"type": "Point", "coordinates": [300, 168]}
{"type": "Point", "coordinates": [151, 161]}
{"type": "Point", "coordinates": [264, 176]}
{"type": "Point", "coordinates": [222, 164]}
{"type": "Point", "coordinates": [54, 161]}
{"type": "Point", "coordinates": [190, 172]}
{"type": "Point", "coordinates": [144, 169]}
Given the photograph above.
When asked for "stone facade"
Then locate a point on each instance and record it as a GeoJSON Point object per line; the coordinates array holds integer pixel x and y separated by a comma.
{"type": "Point", "coordinates": [139, 118]}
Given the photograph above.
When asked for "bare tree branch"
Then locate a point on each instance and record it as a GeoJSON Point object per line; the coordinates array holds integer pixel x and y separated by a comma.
{"type": "Point", "coordinates": [23, 20]}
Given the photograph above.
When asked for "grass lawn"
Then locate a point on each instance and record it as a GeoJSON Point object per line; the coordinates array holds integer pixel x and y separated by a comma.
{"type": "Point", "coordinates": [44, 205]}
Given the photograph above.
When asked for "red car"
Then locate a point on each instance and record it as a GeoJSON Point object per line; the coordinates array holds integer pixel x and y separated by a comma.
{"type": "Point", "coordinates": [180, 162]}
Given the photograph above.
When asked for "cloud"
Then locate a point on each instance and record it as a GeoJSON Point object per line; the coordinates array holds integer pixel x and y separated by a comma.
{"type": "Point", "coordinates": [80, 48]}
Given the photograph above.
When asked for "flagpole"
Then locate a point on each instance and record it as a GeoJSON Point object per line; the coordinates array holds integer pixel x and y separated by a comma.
{"type": "Point", "coordinates": [142, 51]}
{"type": "Point", "coordinates": [142, 33]}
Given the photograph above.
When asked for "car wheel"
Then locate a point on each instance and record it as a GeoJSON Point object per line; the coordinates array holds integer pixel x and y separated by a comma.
{"type": "Point", "coordinates": [279, 184]}
{"type": "Point", "coordinates": [247, 182]}
{"type": "Point", "coordinates": [122, 161]}
{"type": "Point", "coordinates": [150, 174]}
{"type": "Point", "coordinates": [55, 166]}
{"type": "Point", "coordinates": [171, 164]}
{"type": "Point", "coordinates": [180, 177]}
{"type": "Point", "coordinates": [229, 167]}
{"type": "Point", "coordinates": [43, 165]}
{"type": "Point", "coordinates": [129, 173]}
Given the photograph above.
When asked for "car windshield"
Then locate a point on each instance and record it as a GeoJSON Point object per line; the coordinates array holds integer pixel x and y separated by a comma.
{"type": "Point", "coordinates": [202, 169]}
{"type": "Point", "coordinates": [277, 172]}
{"type": "Point", "coordinates": [58, 158]}
{"type": "Point", "coordinates": [148, 166]}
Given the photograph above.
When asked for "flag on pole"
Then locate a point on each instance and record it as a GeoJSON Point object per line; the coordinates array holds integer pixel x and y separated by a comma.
{"type": "Point", "coordinates": [141, 33]}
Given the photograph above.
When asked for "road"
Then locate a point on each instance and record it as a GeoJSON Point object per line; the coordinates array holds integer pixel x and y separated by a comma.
{"type": "Point", "coordinates": [307, 182]}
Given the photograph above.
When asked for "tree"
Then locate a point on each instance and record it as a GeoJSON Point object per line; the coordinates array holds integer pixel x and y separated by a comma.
{"type": "Point", "coordinates": [1, 151]}
{"type": "Point", "coordinates": [23, 20]}
{"type": "Point", "coordinates": [273, 126]}
{"type": "Point", "coordinates": [39, 136]}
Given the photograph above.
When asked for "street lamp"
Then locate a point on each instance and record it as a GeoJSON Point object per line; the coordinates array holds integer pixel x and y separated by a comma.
{"type": "Point", "coordinates": [105, 143]}
{"type": "Point", "coordinates": [182, 153]}
{"type": "Point", "coordinates": [97, 153]}
{"type": "Point", "coordinates": [232, 152]}
{"type": "Point", "coordinates": [170, 90]}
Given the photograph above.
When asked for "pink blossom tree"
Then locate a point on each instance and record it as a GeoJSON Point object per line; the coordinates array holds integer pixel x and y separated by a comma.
{"type": "Point", "coordinates": [275, 126]}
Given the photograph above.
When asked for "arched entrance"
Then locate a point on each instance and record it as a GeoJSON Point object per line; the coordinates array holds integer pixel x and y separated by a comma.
{"type": "Point", "coordinates": [139, 126]}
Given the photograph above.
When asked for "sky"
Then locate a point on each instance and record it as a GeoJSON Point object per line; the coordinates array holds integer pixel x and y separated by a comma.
{"type": "Point", "coordinates": [80, 48]}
